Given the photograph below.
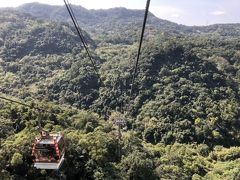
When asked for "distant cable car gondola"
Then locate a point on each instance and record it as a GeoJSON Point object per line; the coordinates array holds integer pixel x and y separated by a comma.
{"type": "Point", "coordinates": [48, 151]}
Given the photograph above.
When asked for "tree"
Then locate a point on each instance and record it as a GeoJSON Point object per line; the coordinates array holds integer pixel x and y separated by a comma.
{"type": "Point", "coordinates": [17, 159]}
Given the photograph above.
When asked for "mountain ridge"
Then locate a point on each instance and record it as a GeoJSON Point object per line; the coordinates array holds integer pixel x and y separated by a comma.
{"type": "Point", "coordinates": [109, 22]}
{"type": "Point", "coordinates": [35, 5]}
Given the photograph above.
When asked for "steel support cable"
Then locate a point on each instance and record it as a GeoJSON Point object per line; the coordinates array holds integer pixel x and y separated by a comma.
{"type": "Point", "coordinates": [23, 104]}
{"type": "Point", "coordinates": [139, 48]}
{"type": "Point", "coordinates": [75, 19]}
{"type": "Point", "coordinates": [27, 105]}
{"type": "Point", "coordinates": [39, 110]}
{"type": "Point", "coordinates": [71, 13]}
{"type": "Point", "coordinates": [81, 37]}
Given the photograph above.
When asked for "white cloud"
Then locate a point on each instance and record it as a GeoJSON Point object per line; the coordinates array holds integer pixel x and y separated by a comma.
{"type": "Point", "coordinates": [166, 12]}
{"type": "Point", "coordinates": [175, 15]}
{"type": "Point", "coordinates": [218, 13]}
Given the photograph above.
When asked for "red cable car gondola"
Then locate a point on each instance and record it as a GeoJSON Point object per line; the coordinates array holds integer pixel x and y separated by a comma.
{"type": "Point", "coordinates": [48, 151]}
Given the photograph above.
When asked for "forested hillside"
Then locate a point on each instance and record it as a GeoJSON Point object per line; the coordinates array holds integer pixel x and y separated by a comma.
{"type": "Point", "coordinates": [182, 121]}
{"type": "Point", "coordinates": [121, 25]}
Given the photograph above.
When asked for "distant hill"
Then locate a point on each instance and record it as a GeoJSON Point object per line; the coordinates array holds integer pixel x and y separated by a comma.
{"type": "Point", "coordinates": [116, 25]}
{"type": "Point", "coordinates": [23, 35]}
{"type": "Point", "coordinates": [121, 25]}
{"type": "Point", "coordinates": [92, 17]}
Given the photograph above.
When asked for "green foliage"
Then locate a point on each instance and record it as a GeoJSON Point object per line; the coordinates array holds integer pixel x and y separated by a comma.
{"type": "Point", "coordinates": [101, 146]}
{"type": "Point", "coordinates": [17, 159]}
{"type": "Point", "coordinates": [225, 170]}
{"type": "Point", "coordinates": [182, 161]}
{"type": "Point", "coordinates": [137, 165]}
{"type": "Point", "coordinates": [86, 121]}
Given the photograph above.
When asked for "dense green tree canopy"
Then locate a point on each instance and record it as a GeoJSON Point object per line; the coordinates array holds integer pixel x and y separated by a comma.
{"type": "Point", "coordinates": [181, 122]}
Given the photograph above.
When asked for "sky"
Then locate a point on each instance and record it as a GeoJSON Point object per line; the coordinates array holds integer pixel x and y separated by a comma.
{"type": "Point", "coordinates": [187, 12]}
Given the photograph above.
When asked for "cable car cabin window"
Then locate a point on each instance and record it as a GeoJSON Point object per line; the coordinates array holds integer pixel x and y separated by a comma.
{"type": "Point", "coordinates": [61, 145]}
{"type": "Point", "coordinates": [46, 152]}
